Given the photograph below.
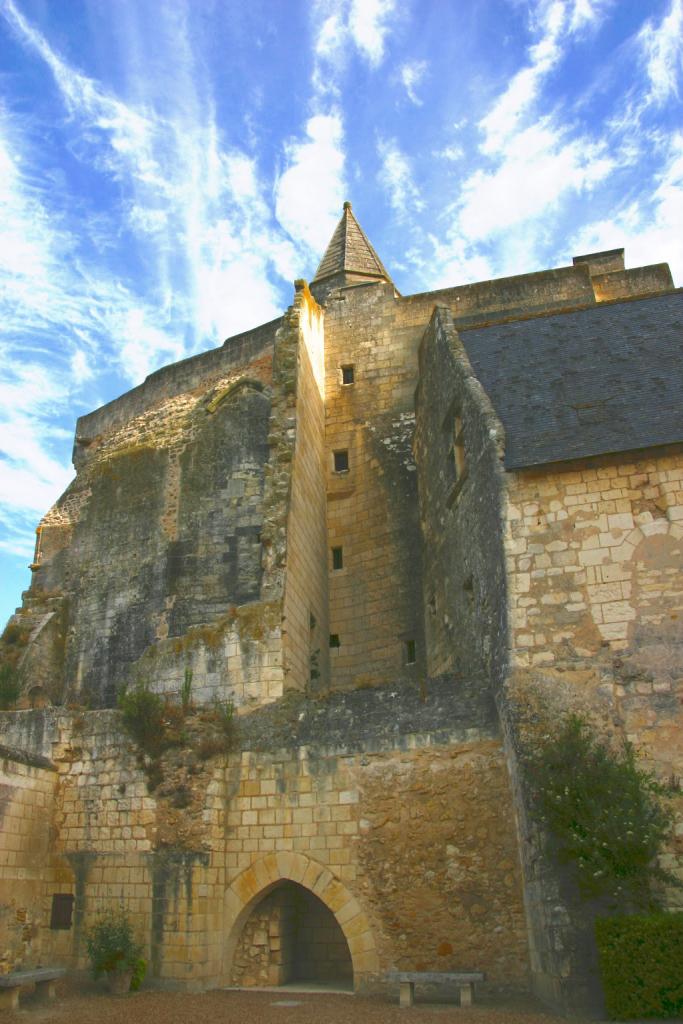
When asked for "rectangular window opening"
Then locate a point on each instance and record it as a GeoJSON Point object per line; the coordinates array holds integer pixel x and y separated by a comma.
{"type": "Point", "coordinates": [408, 652]}
{"type": "Point", "coordinates": [348, 376]}
{"type": "Point", "coordinates": [337, 558]}
{"type": "Point", "coordinates": [458, 448]}
{"type": "Point", "coordinates": [334, 640]}
{"type": "Point", "coordinates": [341, 461]}
{"type": "Point", "coordinates": [62, 911]}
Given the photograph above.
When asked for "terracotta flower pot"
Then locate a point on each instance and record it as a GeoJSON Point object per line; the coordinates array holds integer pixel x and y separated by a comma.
{"type": "Point", "coordinates": [119, 982]}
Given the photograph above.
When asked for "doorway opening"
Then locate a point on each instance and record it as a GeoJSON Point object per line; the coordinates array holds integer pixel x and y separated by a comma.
{"type": "Point", "coordinates": [291, 937]}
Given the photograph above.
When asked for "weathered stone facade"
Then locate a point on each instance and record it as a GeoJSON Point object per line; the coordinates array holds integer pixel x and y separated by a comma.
{"type": "Point", "coordinates": [330, 523]}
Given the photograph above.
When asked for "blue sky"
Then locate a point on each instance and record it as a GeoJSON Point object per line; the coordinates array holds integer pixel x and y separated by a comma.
{"type": "Point", "coordinates": [168, 167]}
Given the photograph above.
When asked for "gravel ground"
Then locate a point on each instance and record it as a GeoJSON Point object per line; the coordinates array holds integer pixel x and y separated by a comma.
{"type": "Point", "coordinates": [91, 1005]}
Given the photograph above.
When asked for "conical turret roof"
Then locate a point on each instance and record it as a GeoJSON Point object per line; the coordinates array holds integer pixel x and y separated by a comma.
{"type": "Point", "coordinates": [350, 252]}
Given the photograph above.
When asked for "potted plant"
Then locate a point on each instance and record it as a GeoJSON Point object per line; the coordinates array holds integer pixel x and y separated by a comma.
{"type": "Point", "coordinates": [113, 951]}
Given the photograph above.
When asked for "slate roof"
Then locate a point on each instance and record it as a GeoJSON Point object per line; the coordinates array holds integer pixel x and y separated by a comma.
{"type": "Point", "coordinates": [608, 378]}
{"type": "Point", "coordinates": [350, 251]}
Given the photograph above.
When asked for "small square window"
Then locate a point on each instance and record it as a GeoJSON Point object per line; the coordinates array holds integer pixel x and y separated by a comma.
{"type": "Point", "coordinates": [348, 376]}
{"type": "Point", "coordinates": [337, 558]}
{"type": "Point", "coordinates": [341, 462]}
{"type": "Point", "coordinates": [334, 640]}
{"type": "Point", "coordinates": [62, 910]}
{"type": "Point", "coordinates": [408, 652]}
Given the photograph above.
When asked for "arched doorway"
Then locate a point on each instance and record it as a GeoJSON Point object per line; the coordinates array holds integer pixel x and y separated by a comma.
{"type": "Point", "coordinates": [266, 875]}
{"type": "Point", "coordinates": [291, 936]}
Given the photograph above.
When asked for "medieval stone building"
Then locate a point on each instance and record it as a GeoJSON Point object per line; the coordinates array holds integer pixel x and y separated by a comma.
{"type": "Point", "coordinates": [384, 527]}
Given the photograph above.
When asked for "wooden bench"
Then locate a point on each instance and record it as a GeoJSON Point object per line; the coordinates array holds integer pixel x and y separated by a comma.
{"type": "Point", "coordinates": [44, 979]}
{"type": "Point", "coordinates": [465, 980]}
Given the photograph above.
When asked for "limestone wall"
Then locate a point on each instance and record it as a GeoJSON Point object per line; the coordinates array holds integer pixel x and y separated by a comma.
{"type": "Point", "coordinates": [372, 507]}
{"type": "Point", "coordinates": [595, 558]}
{"type": "Point", "coordinates": [27, 788]}
{"type": "Point", "coordinates": [462, 514]}
{"type": "Point", "coordinates": [306, 621]}
{"type": "Point", "coordinates": [594, 563]}
{"type": "Point", "coordinates": [378, 827]}
{"type": "Point", "coordinates": [159, 534]}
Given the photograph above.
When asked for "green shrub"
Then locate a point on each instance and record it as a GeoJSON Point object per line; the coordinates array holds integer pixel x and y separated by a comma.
{"type": "Point", "coordinates": [604, 814]}
{"type": "Point", "coordinates": [10, 687]}
{"type": "Point", "coordinates": [641, 964]}
{"type": "Point", "coordinates": [186, 690]}
{"type": "Point", "coordinates": [224, 711]}
{"type": "Point", "coordinates": [111, 946]}
{"type": "Point", "coordinates": [142, 714]}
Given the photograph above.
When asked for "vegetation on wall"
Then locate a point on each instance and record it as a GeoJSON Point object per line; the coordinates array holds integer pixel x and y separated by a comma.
{"type": "Point", "coordinates": [606, 816]}
{"type": "Point", "coordinates": [157, 724]}
{"type": "Point", "coordinates": [10, 686]}
{"type": "Point", "coordinates": [640, 964]}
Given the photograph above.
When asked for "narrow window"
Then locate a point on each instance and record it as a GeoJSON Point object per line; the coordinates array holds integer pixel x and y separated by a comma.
{"type": "Point", "coordinates": [334, 640]}
{"type": "Point", "coordinates": [348, 376]}
{"type": "Point", "coordinates": [337, 558]}
{"type": "Point", "coordinates": [458, 448]}
{"type": "Point", "coordinates": [408, 652]}
{"type": "Point", "coordinates": [341, 462]}
{"type": "Point", "coordinates": [62, 909]}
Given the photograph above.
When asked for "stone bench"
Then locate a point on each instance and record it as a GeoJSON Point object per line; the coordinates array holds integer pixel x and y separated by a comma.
{"type": "Point", "coordinates": [465, 980]}
{"type": "Point", "coordinates": [43, 978]}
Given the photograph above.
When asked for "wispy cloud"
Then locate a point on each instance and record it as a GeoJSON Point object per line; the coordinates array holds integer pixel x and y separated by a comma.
{"type": "Point", "coordinates": [411, 75]}
{"type": "Point", "coordinates": [650, 226]}
{"type": "Point", "coordinates": [396, 176]}
{"type": "Point", "coordinates": [194, 202]}
{"type": "Point", "coordinates": [662, 48]}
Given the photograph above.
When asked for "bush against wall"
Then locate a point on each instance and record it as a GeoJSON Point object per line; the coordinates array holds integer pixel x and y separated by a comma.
{"type": "Point", "coordinates": [641, 964]}
{"type": "Point", "coordinates": [605, 815]}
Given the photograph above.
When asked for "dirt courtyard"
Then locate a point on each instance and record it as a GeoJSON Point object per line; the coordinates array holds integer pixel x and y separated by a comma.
{"type": "Point", "coordinates": [90, 1004]}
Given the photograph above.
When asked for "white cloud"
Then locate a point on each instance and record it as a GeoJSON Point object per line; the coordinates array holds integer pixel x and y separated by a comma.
{"type": "Point", "coordinates": [341, 27]}
{"type": "Point", "coordinates": [649, 228]}
{"type": "Point", "coordinates": [411, 75]}
{"type": "Point", "coordinates": [662, 48]}
{"type": "Point", "coordinates": [452, 153]}
{"type": "Point", "coordinates": [31, 476]}
{"type": "Point", "coordinates": [554, 23]}
{"type": "Point", "coordinates": [310, 191]}
{"type": "Point", "coordinates": [179, 182]}
{"type": "Point", "coordinates": [540, 165]}
{"type": "Point", "coordinates": [397, 178]}
{"type": "Point", "coordinates": [369, 22]}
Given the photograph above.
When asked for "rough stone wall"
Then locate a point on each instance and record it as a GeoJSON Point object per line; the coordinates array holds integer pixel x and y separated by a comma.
{"type": "Point", "coordinates": [372, 507]}
{"type": "Point", "coordinates": [594, 562]}
{"type": "Point", "coordinates": [27, 787]}
{"type": "Point", "coordinates": [595, 556]}
{"type": "Point", "coordinates": [380, 825]}
{"type": "Point", "coordinates": [462, 514]}
{"type": "Point", "coordinates": [158, 534]}
{"type": "Point", "coordinates": [306, 627]}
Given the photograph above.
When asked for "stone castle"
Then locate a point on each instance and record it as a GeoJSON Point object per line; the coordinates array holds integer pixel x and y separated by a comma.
{"type": "Point", "coordinates": [386, 528]}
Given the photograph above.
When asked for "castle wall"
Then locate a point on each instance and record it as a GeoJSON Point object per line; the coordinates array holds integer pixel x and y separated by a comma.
{"type": "Point", "coordinates": [306, 625]}
{"type": "Point", "coordinates": [372, 507]}
{"type": "Point", "coordinates": [594, 564]}
{"type": "Point", "coordinates": [27, 789]}
{"type": "Point", "coordinates": [171, 381]}
{"type": "Point", "coordinates": [160, 533]}
{"type": "Point", "coordinates": [461, 510]}
{"type": "Point", "coordinates": [409, 844]}
{"type": "Point", "coordinates": [595, 557]}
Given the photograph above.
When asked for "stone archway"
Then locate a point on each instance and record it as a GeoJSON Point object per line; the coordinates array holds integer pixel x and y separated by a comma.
{"type": "Point", "coordinates": [264, 875]}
